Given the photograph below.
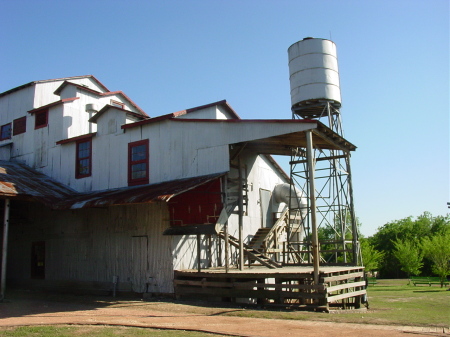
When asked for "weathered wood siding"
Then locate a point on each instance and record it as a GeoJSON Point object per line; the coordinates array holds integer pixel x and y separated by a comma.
{"type": "Point", "coordinates": [93, 245]}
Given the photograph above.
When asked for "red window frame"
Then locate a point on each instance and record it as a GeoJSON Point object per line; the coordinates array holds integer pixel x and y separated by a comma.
{"type": "Point", "coordinates": [83, 161]}
{"type": "Point", "coordinates": [138, 163]}
{"type": "Point", "coordinates": [5, 131]}
{"type": "Point", "coordinates": [40, 119]}
{"type": "Point", "coordinates": [19, 125]}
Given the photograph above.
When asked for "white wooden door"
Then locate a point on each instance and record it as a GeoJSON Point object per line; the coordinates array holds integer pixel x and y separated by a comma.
{"type": "Point", "coordinates": [266, 208]}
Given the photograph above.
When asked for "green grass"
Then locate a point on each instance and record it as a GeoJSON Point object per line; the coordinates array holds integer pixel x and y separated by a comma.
{"type": "Point", "coordinates": [94, 331]}
{"type": "Point", "coordinates": [391, 302]}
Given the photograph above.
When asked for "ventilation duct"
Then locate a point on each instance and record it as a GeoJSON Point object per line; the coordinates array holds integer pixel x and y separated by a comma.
{"type": "Point", "coordinates": [284, 192]}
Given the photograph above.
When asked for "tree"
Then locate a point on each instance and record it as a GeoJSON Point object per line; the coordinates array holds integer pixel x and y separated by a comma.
{"type": "Point", "coordinates": [371, 257]}
{"type": "Point", "coordinates": [409, 256]}
{"type": "Point", "coordinates": [412, 229]}
{"type": "Point", "coordinates": [437, 249]}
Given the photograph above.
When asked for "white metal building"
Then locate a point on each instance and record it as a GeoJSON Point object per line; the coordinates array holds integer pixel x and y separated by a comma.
{"type": "Point", "coordinates": [91, 183]}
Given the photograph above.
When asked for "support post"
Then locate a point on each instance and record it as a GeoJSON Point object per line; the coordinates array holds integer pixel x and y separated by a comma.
{"type": "Point", "coordinates": [4, 249]}
{"type": "Point", "coordinates": [241, 218]}
{"type": "Point", "coordinates": [355, 244]}
{"type": "Point", "coordinates": [199, 269]}
{"type": "Point", "coordinates": [312, 196]}
{"type": "Point", "coordinates": [227, 248]}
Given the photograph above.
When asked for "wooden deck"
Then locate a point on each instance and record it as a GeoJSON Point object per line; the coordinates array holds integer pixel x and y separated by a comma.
{"type": "Point", "coordinates": [288, 287]}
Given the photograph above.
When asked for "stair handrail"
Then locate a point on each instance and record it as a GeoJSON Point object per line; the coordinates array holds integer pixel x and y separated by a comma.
{"type": "Point", "coordinates": [279, 224]}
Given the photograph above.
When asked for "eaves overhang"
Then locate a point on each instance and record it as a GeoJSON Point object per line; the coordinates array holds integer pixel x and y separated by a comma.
{"type": "Point", "coordinates": [107, 107]}
{"type": "Point", "coordinates": [323, 138]}
{"type": "Point", "coordinates": [22, 182]}
{"type": "Point", "coordinates": [281, 143]}
{"type": "Point", "coordinates": [23, 86]}
{"type": "Point", "coordinates": [163, 191]}
{"type": "Point", "coordinates": [174, 115]}
{"type": "Point", "coordinates": [53, 104]}
{"type": "Point", "coordinates": [100, 94]}
{"type": "Point", "coordinates": [18, 181]}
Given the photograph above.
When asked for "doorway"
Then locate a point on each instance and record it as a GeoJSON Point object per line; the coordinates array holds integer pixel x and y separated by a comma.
{"type": "Point", "coordinates": [38, 260]}
{"type": "Point", "coordinates": [139, 263]}
{"type": "Point", "coordinates": [266, 208]}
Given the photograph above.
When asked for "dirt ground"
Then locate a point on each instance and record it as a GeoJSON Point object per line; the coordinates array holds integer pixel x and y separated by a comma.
{"type": "Point", "coordinates": [26, 310]}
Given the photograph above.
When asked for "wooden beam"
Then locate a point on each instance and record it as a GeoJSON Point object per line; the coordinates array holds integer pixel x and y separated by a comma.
{"type": "Point", "coordinates": [346, 295]}
{"type": "Point", "coordinates": [317, 159]}
{"type": "Point", "coordinates": [343, 277]}
{"type": "Point", "coordinates": [346, 286]}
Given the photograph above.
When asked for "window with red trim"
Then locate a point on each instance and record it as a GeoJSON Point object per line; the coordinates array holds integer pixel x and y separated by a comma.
{"type": "Point", "coordinates": [19, 125]}
{"type": "Point", "coordinates": [5, 132]}
{"type": "Point", "coordinates": [138, 163]}
{"type": "Point", "coordinates": [41, 119]}
{"type": "Point", "coordinates": [83, 159]}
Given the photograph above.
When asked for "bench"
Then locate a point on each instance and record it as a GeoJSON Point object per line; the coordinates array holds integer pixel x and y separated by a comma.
{"type": "Point", "coordinates": [416, 280]}
{"type": "Point", "coordinates": [371, 281]}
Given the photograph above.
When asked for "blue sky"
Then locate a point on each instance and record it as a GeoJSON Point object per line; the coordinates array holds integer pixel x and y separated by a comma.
{"type": "Point", "coordinates": [171, 55]}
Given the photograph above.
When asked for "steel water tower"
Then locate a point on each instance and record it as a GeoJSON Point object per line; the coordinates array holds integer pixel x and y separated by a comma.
{"type": "Point", "coordinates": [327, 183]}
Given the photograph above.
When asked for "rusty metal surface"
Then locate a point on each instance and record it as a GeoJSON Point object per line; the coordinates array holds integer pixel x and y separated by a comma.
{"type": "Point", "coordinates": [135, 195]}
{"type": "Point", "coordinates": [20, 181]}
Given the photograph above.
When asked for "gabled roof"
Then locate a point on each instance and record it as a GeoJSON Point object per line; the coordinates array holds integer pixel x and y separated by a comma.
{"type": "Point", "coordinates": [52, 80]}
{"type": "Point", "coordinates": [103, 110]}
{"type": "Point", "coordinates": [77, 138]}
{"type": "Point", "coordinates": [50, 105]}
{"type": "Point", "coordinates": [222, 103]}
{"type": "Point", "coordinates": [100, 94]}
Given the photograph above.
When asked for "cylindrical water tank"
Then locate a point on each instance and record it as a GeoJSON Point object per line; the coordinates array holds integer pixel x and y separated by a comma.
{"type": "Point", "coordinates": [313, 72]}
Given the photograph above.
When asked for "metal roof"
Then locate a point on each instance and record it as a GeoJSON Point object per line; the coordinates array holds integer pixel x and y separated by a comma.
{"type": "Point", "coordinates": [52, 80]}
{"type": "Point", "coordinates": [20, 181]}
{"type": "Point", "coordinates": [222, 103]}
{"type": "Point", "coordinates": [323, 138]}
{"type": "Point", "coordinates": [135, 195]}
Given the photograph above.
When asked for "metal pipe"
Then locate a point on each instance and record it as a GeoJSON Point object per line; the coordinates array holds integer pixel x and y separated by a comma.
{"type": "Point", "coordinates": [4, 249]}
{"type": "Point", "coordinates": [312, 197]}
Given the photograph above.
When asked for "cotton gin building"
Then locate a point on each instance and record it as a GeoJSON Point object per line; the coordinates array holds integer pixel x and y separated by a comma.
{"type": "Point", "coordinates": [99, 196]}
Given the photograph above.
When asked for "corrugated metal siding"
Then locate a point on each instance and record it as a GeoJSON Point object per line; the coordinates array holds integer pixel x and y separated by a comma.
{"type": "Point", "coordinates": [93, 245]}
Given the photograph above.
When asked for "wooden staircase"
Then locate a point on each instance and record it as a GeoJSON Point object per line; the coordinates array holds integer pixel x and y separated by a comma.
{"type": "Point", "coordinates": [251, 253]}
{"type": "Point", "coordinates": [259, 239]}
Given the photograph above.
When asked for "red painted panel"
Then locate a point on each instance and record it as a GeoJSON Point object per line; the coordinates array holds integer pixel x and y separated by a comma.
{"type": "Point", "coordinates": [201, 205]}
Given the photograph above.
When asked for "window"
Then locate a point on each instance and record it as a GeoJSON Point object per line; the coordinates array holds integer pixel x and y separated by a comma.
{"type": "Point", "coordinates": [83, 159]}
{"type": "Point", "coordinates": [5, 132]}
{"type": "Point", "coordinates": [41, 119]}
{"type": "Point", "coordinates": [138, 163]}
{"type": "Point", "coordinates": [19, 125]}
